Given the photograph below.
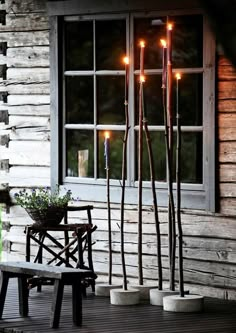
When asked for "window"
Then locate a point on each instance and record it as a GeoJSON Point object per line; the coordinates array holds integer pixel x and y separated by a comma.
{"type": "Point", "coordinates": [91, 90]}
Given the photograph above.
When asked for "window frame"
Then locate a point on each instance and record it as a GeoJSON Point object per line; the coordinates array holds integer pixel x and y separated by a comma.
{"type": "Point", "coordinates": [194, 196]}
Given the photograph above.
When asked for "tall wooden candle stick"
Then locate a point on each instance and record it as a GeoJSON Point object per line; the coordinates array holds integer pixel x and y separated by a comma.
{"type": "Point", "coordinates": [107, 162]}
{"type": "Point", "coordinates": [172, 229]}
{"type": "Point", "coordinates": [178, 189]}
{"type": "Point", "coordinates": [124, 166]}
{"type": "Point", "coordinates": [140, 163]}
{"type": "Point", "coordinates": [167, 107]}
{"type": "Point", "coordinates": [154, 196]}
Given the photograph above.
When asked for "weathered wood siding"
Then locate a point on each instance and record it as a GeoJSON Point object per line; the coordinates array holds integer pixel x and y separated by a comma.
{"type": "Point", "coordinates": [209, 239]}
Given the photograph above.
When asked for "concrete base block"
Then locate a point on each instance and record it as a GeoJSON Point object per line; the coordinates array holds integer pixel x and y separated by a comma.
{"type": "Point", "coordinates": [144, 291]}
{"type": "Point", "coordinates": [124, 297]}
{"type": "Point", "coordinates": [156, 295]}
{"type": "Point", "coordinates": [188, 303]}
{"type": "Point", "coordinates": [103, 289]}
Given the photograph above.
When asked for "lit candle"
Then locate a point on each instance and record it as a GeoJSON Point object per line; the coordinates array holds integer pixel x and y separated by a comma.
{"type": "Point", "coordinates": [178, 77]}
{"type": "Point", "coordinates": [107, 149]}
{"type": "Point", "coordinates": [142, 46]}
{"type": "Point", "coordinates": [126, 62]}
{"type": "Point", "coordinates": [164, 69]}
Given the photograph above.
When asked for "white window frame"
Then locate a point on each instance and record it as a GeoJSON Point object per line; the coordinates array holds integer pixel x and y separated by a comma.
{"type": "Point", "coordinates": [194, 196]}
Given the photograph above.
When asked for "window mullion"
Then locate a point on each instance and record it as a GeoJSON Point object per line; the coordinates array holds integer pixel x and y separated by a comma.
{"type": "Point", "coordinates": [95, 100]}
{"type": "Point", "coordinates": [131, 142]}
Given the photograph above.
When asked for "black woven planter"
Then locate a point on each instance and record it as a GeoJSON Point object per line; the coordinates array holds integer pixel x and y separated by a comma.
{"type": "Point", "coordinates": [49, 217]}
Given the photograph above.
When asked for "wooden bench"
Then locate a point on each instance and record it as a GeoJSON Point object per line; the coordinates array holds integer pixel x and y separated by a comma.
{"type": "Point", "coordinates": [60, 275]}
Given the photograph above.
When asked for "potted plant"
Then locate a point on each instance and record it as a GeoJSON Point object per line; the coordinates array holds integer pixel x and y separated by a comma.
{"type": "Point", "coordinates": [46, 208]}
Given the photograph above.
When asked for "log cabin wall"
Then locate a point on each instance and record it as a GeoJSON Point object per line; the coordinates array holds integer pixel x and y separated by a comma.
{"type": "Point", "coordinates": [209, 239]}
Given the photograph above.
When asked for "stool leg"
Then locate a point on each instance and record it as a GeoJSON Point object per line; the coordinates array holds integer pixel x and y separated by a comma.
{"type": "Point", "coordinates": [3, 291]}
{"type": "Point", "coordinates": [77, 303]}
{"type": "Point", "coordinates": [56, 303]}
{"type": "Point", "coordinates": [23, 296]}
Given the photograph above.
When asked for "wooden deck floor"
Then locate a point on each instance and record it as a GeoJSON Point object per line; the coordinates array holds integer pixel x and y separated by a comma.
{"type": "Point", "coordinates": [100, 316]}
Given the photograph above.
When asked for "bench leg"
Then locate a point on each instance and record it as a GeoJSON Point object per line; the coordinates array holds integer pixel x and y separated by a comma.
{"type": "Point", "coordinates": [23, 296]}
{"type": "Point", "coordinates": [56, 303]}
{"type": "Point", "coordinates": [77, 303]}
{"type": "Point", "coordinates": [3, 290]}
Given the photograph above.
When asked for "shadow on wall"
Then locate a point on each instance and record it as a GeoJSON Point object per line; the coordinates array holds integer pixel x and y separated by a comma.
{"type": "Point", "coordinates": [222, 18]}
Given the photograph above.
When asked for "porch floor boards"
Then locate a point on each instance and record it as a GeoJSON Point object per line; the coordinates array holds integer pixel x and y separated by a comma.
{"type": "Point", "coordinates": [100, 316]}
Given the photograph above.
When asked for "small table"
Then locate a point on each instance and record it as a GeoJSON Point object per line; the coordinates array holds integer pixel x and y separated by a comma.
{"type": "Point", "coordinates": [69, 251]}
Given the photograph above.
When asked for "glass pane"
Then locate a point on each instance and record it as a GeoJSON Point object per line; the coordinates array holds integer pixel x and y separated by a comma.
{"type": "Point", "coordinates": [114, 157]}
{"type": "Point", "coordinates": [79, 99]}
{"type": "Point", "coordinates": [79, 153]}
{"type": "Point", "coordinates": [110, 44]}
{"type": "Point", "coordinates": [187, 41]}
{"type": "Point", "coordinates": [110, 100]}
{"type": "Point", "coordinates": [147, 30]}
{"type": "Point", "coordinates": [191, 158]}
{"type": "Point", "coordinates": [152, 96]}
{"type": "Point", "coordinates": [159, 156]}
{"type": "Point", "coordinates": [190, 99]}
{"type": "Point", "coordinates": [79, 45]}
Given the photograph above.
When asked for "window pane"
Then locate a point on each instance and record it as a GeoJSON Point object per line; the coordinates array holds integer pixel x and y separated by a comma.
{"type": "Point", "coordinates": [190, 99]}
{"type": "Point", "coordinates": [159, 156]}
{"type": "Point", "coordinates": [110, 44]}
{"type": "Point", "coordinates": [152, 95]}
{"type": "Point", "coordinates": [79, 45]}
{"type": "Point", "coordinates": [144, 29]}
{"type": "Point", "coordinates": [187, 41]}
{"type": "Point", "coordinates": [79, 100]}
{"type": "Point", "coordinates": [79, 153]}
{"type": "Point", "coordinates": [191, 158]}
{"type": "Point", "coordinates": [110, 100]}
{"type": "Point", "coordinates": [115, 154]}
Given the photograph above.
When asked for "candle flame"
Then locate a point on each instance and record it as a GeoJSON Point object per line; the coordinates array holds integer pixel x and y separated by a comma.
{"type": "Point", "coordinates": [142, 43]}
{"type": "Point", "coordinates": [170, 26]}
{"type": "Point", "coordinates": [142, 78]}
{"type": "Point", "coordinates": [107, 135]}
{"type": "Point", "coordinates": [163, 42]}
{"type": "Point", "coordinates": [178, 76]}
{"type": "Point", "coordinates": [126, 60]}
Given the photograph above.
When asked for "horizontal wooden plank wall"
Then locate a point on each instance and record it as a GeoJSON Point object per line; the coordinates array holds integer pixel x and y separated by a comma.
{"type": "Point", "coordinates": [25, 108]}
{"type": "Point", "coordinates": [227, 135]}
{"type": "Point", "coordinates": [209, 239]}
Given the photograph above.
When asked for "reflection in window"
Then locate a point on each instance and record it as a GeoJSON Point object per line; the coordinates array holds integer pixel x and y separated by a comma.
{"type": "Point", "coordinates": [79, 99]}
{"type": "Point", "coordinates": [190, 100]}
{"type": "Point", "coordinates": [191, 158]}
{"type": "Point", "coordinates": [79, 45]}
{"type": "Point", "coordinates": [80, 153]}
{"type": "Point", "coordinates": [110, 100]}
{"type": "Point", "coordinates": [110, 44]}
{"type": "Point", "coordinates": [159, 155]}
